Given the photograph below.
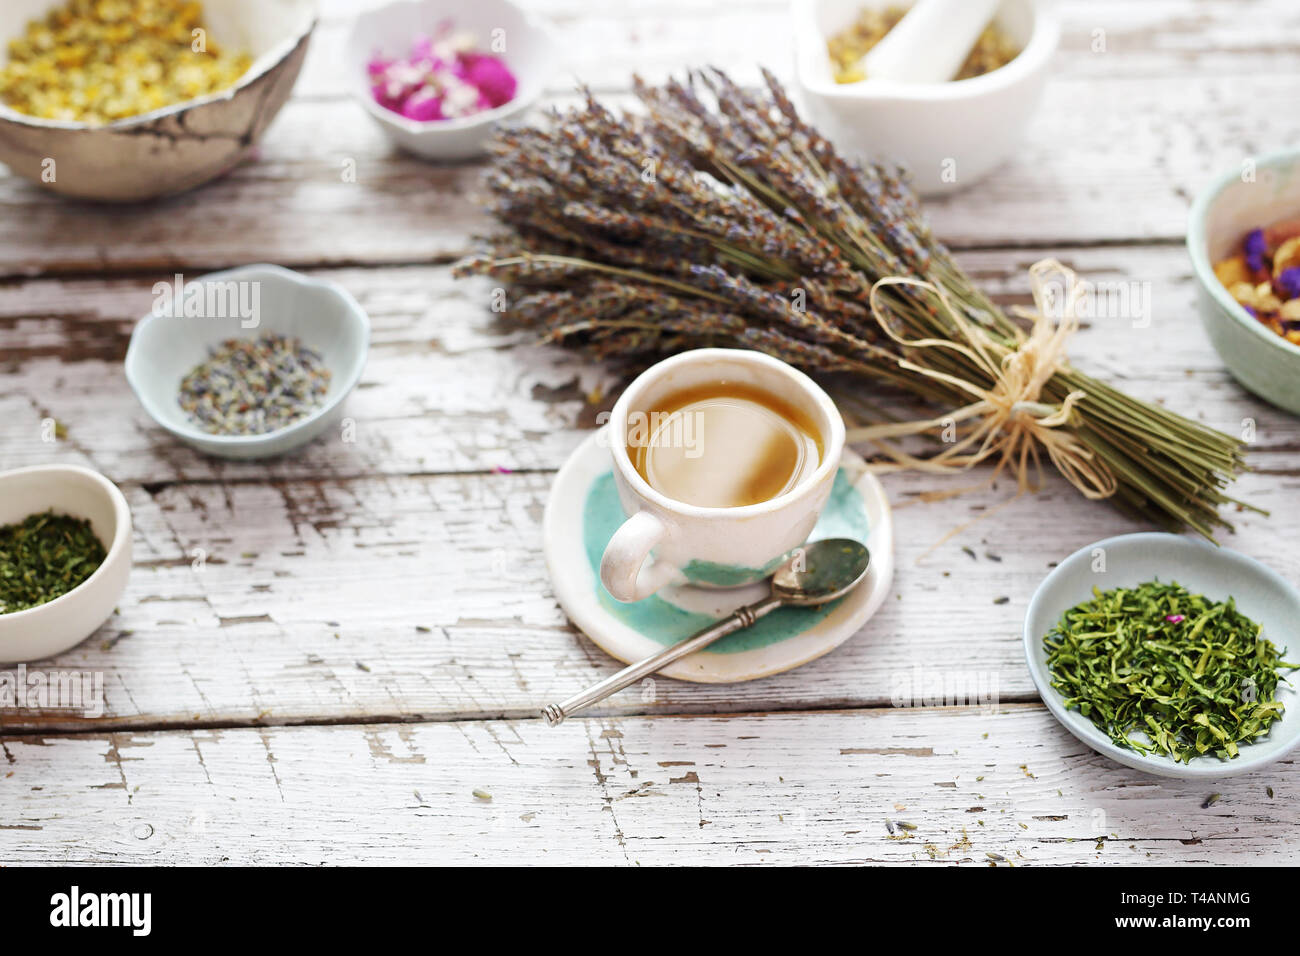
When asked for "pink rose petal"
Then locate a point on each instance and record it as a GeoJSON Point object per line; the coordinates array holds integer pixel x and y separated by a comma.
{"type": "Point", "coordinates": [435, 83]}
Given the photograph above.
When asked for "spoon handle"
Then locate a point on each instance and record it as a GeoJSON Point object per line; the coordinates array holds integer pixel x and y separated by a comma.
{"type": "Point", "coordinates": [739, 620]}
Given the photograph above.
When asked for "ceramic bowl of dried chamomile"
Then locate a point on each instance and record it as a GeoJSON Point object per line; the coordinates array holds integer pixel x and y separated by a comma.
{"type": "Point", "coordinates": [181, 143]}
{"type": "Point", "coordinates": [38, 632]}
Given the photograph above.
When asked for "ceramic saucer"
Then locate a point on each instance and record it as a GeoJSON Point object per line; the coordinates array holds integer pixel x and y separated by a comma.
{"type": "Point", "coordinates": [583, 513]}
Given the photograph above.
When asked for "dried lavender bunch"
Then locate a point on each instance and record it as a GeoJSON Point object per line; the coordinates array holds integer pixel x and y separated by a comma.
{"type": "Point", "coordinates": [719, 217]}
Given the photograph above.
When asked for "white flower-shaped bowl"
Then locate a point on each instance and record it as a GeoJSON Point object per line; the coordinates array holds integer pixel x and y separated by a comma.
{"type": "Point", "coordinates": [48, 629]}
{"type": "Point", "coordinates": [1131, 559]}
{"type": "Point", "coordinates": [166, 345]}
{"type": "Point", "coordinates": [177, 147]}
{"type": "Point", "coordinates": [948, 135]}
{"type": "Point", "coordinates": [389, 30]}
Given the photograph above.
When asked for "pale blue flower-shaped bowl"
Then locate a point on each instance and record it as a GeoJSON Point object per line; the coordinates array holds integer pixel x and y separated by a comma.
{"type": "Point", "coordinates": [1261, 594]}
{"type": "Point", "coordinates": [191, 318]}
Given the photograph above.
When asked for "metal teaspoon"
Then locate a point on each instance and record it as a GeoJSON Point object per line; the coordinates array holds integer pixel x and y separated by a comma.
{"type": "Point", "coordinates": [816, 574]}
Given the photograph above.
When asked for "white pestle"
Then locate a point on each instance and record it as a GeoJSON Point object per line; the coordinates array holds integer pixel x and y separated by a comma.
{"type": "Point", "coordinates": [931, 42]}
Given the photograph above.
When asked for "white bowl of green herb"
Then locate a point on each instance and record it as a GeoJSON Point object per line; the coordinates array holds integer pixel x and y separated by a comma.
{"type": "Point", "coordinates": [248, 363]}
{"type": "Point", "coordinates": [65, 554]}
{"type": "Point", "coordinates": [1169, 655]}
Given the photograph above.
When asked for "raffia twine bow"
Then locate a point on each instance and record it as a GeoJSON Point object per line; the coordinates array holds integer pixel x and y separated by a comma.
{"type": "Point", "coordinates": [1009, 420]}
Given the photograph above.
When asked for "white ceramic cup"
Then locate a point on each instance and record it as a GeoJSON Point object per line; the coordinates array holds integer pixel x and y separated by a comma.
{"type": "Point", "coordinates": [666, 541]}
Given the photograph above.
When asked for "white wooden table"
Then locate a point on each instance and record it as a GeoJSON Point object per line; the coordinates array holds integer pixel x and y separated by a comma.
{"type": "Point", "coordinates": [370, 630]}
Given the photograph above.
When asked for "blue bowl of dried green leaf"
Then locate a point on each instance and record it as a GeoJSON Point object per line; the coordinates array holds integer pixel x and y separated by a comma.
{"type": "Point", "coordinates": [1169, 655]}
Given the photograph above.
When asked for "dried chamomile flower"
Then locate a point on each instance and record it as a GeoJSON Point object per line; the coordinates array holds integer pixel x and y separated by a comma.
{"type": "Point", "coordinates": [98, 61]}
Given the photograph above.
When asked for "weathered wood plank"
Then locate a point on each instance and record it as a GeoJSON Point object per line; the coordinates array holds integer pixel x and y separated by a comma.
{"type": "Point", "coordinates": [338, 541]}
{"type": "Point", "coordinates": [1114, 154]}
{"type": "Point", "coordinates": [764, 789]}
{"type": "Point", "coordinates": [450, 387]}
{"type": "Point", "coordinates": [1100, 38]}
{"type": "Point", "coordinates": [398, 578]}
{"type": "Point", "coordinates": [427, 597]}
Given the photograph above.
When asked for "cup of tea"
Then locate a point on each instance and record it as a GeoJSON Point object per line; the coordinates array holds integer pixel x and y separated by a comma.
{"type": "Point", "coordinates": [723, 460]}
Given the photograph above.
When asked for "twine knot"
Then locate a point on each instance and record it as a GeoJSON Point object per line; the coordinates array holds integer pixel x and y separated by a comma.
{"type": "Point", "coordinates": [1007, 418]}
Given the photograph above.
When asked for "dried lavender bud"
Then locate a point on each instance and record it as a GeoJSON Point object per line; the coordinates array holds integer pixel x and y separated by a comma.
{"type": "Point", "coordinates": [254, 386]}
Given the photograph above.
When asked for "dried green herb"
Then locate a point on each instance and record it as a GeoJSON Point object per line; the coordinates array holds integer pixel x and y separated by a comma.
{"type": "Point", "coordinates": [43, 557]}
{"type": "Point", "coordinates": [1191, 675]}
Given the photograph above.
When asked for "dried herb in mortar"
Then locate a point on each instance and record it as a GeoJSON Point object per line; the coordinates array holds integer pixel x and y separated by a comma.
{"type": "Point", "coordinates": [1194, 676]}
{"type": "Point", "coordinates": [44, 557]}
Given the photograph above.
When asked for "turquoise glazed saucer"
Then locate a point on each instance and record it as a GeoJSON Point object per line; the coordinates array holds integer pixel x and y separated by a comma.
{"type": "Point", "coordinates": [582, 514]}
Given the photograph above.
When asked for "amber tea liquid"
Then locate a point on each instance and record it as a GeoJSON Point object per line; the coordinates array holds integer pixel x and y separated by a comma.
{"type": "Point", "coordinates": [723, 446]}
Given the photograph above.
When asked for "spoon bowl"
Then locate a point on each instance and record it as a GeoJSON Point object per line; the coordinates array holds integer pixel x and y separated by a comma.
{"type": "Point", "coordinates": [821, 572]}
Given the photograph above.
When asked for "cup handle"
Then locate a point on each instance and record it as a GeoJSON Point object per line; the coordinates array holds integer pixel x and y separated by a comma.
{"type": "Point", "coordinates": [623, 568]}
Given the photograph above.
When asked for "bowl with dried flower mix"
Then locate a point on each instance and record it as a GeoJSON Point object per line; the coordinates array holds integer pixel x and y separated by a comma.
{"type": "Point", "coordinates": [437, 76]}
{"type": "Point", "coordinates": [1244, 240]}
{"type": "Point", "coordinates": [131, 99]}
{"type": "Point", "coordinates": [65, 554]}
{"type": "Point", "coordinates": [949, 135]}
{"type": "Point", "coordinates": [1168, 655]}
{"type": "Point", "coordinates": [248, 363]}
